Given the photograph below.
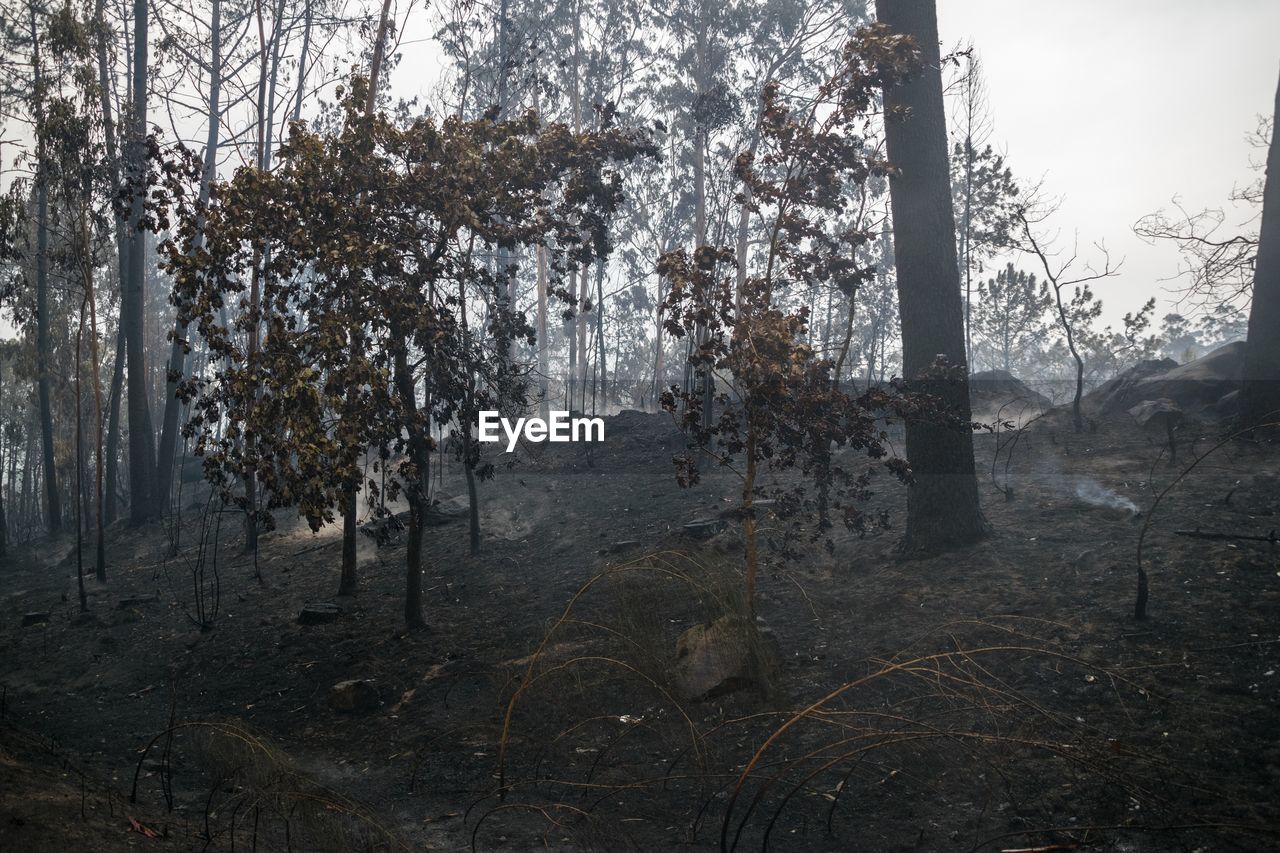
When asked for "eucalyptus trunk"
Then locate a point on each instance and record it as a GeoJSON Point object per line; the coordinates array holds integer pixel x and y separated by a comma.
{"type": "Point", "coordinates": [142, 451]}
{"type": "Point", "coordinates": [177, 351]}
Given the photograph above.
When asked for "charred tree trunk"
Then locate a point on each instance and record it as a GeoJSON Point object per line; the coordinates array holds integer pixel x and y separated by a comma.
{"type": "Point", "coordinates": [122, 252]}
{"type": "Point", "coordinates": [43, 347]}
{"type": "Point", "coordinates": [53, 496]}
{"type": "Point", "coordinates": [942, 502]}
{"type": "Point", "coordinates": [417, 488]}
{"type": "Point", "coordinates": [1260, 394]}
{"type": "Point", "coordinates": [142, 450]}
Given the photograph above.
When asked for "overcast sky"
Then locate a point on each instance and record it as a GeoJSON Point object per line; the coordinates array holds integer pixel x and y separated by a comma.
{"type": "Point", "coordinates": [1121, 105]}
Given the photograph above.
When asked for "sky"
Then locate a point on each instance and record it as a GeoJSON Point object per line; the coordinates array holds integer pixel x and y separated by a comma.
{"type": "Point", "coordinates": [1120, 106]}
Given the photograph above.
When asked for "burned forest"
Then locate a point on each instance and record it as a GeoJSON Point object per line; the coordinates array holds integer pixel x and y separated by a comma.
{"type": "Point", "coordinates": [615, 425]}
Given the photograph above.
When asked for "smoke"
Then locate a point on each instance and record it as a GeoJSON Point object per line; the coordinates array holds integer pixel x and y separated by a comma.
{"type": "Point", "coordinates": [1093, 492]}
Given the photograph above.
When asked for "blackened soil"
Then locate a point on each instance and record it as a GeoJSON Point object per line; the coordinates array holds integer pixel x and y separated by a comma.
{"type": "Point", "coordinates": [998, 697]}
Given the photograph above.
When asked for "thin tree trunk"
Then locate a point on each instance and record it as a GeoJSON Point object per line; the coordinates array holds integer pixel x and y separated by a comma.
{"type": "Point", "coordinates": [53, 496]}
{"type": "Point", "coordinates": [4, 524]}
{"type": "Point", "coordinates": [302, 60]}
{"type": "Point", "coordinates": [600, 351]}
{"type": "Point", "coordinates": [417, 488]}
{"type": "Point", "coordinates": [349, 579]}
{"type": "Point", "coordinates": [43, 347]}
{"type": "Point", "coordinates": [84, 601]}
{"type": "Point", "coordinates": [142, 451]}
{"type": "Point", "coordinates": [177, 352]}
{"type": "Point", "coordinates": [122, 252]}
{"type": "Point", "coordinates": [544, 367]}
{"type": "Point", "coordinates": [95, 361]}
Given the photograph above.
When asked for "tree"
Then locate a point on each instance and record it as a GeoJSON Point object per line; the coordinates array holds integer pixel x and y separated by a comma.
{"type": "Point", "coordinates": [1260, 393]}
{"type": "Point", "coordinates": [942, 501]}
{"type": "Point", "coordinates": [786, 408]}
{"type": "Point", "coordinates": [177, 351]}
{"type": "Point", "coordinates": [53, 495]}
{"type": "Point", "coordinates": [393, 227]}
{"type": "Point", "coordinates": [1009, 316]}
{"type": "Point", "coordinates": [142, 450]}
{"type": "Point", "coordinates": [1074, 303]}
{"type": "Point", "coordinates": [984, 191]}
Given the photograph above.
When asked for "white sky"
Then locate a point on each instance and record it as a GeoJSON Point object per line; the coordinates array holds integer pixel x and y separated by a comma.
{"type": "Point", "coordinates": [1120, 105]}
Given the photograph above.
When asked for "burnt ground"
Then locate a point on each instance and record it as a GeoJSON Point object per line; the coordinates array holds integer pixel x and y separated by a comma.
{"type": "Point", "coordinates": [994, 698]}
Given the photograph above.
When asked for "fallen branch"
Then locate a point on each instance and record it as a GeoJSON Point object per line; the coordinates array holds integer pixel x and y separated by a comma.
{"type": "Point", "coordinates": [1211, 534]}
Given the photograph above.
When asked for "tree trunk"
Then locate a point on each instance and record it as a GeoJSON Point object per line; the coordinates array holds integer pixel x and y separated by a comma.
{"type": "Point", "coordinates": [544, 367]}
{"type": "Point", "coordinates": [122, 252]}
{"type": "Point", "coordinates": [52, 495]}
{"type": "Point", "coordinates": [942, 502]}
{"type": "Point", "coordinates": [350, 517]}
{"type": "Point", "coordinates": [43, 347]}
{"type": "Point", "coordinates": [142, 451]}
{"type": "Point", "coordinates": [416, 490]}
{"type": "Point", "coordinates": [308, 16]}
{"type": "Point", "coordinates": [177, 352]}
{"type": "Point", "coordinates": [4, 524]}
{"type": "Point", "coordinates": [1260, 394]}
{"type": "Point", "coordinates": [111, 507]}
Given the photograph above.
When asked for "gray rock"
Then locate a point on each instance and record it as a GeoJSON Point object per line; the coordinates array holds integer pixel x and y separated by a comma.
{"type": "Point", "coordinates": [356, 696]}
{"type": "Point", "coordinates": [319, 614]}
{"type": "Point", "coordinates": [704, 528]}
{"type": "Point", "coordinates": [726, 655]}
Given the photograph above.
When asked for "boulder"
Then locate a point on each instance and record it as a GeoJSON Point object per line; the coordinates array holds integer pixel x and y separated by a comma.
{"type": "Point", "coordinates": [319, 614]}
{"type": "Point", "coordinates": [1162, 416]}
{"type": "Point", "coordinates": [444, 511]}
{"type": "Point", "coordinates": [704, 528]}
{"type": "Point", "coordinates": [1118, 392]}
{"type": "Point", "coordinates": [999, 387]}
{"type": "Point", "coordinates": [725, 655]}
{"type": "Point", "coordinates": [356, 696]}
{"type": "Point", "coordinates": [1228, 405]}
{"type": "Point", "coordinates": [714, 658]}
{"type": "Point", "coordinates": [1193, 386]}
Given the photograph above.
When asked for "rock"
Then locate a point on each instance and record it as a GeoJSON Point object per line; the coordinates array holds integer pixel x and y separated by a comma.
{"type": "Point", "coordinates": [624, 545]}
{"type": "Point", "coordinates": [725, 655]}
{"type": "Point", "coordinates": [386, 529]}
{"type": "Point", "coordinates": [136, 600]}
{"type": "Point", "coordinates": [1161, 415]}
{"type": "Point", "coordinates": [1118, 392]}
{"type": "Point", "coordinates": [319, 614]}
{"type": "Point", "coordinates": [35, 618]}
{"type": "Point", "coordinates": [357, 696]}
{"type": "Point", "coordinates": [704, 528]}
{"type": "Point", "coordinates": [1228, 405]}
{"type": "Point", "coordinates": [992, 389]}
{"type": "Point", "coordinates": [1192, 386]}
{"type": "Point", "coordinates": [442, 512]}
